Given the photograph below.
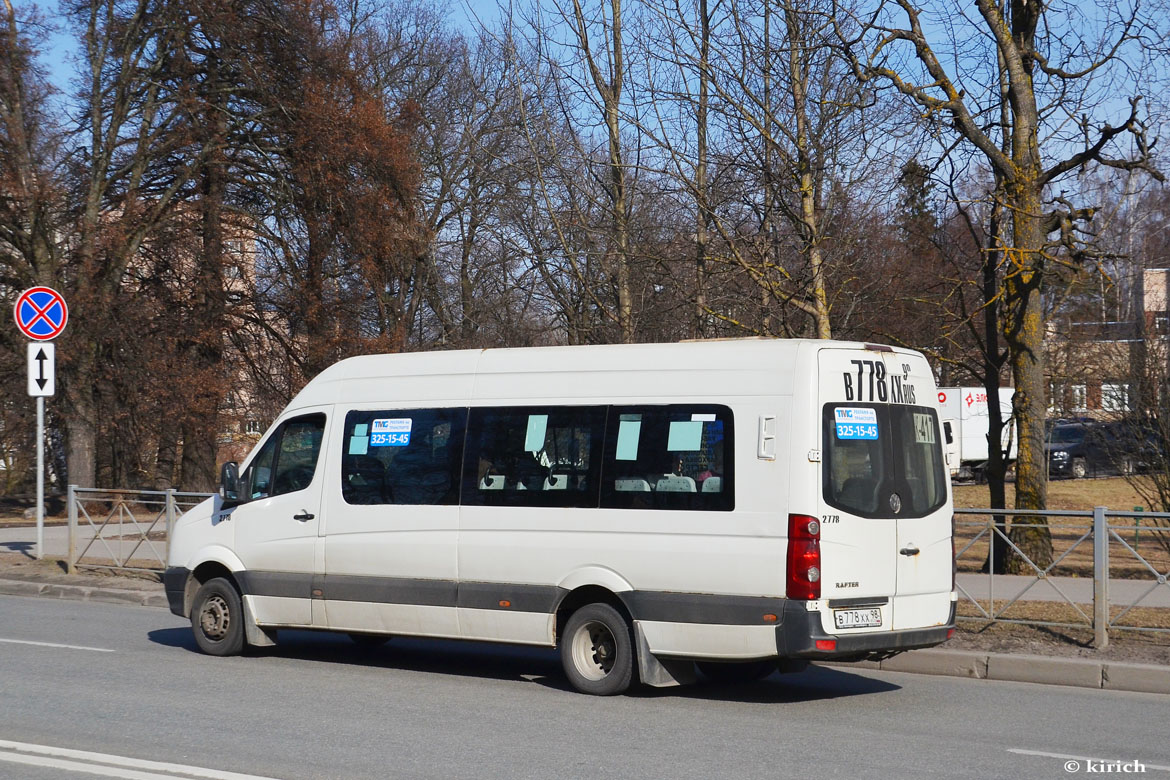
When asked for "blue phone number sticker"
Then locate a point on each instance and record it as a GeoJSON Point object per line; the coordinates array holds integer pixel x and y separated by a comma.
{"type": "Point", "coordinates": [856, 422]}
{"type": "Point", "coordinates": [394, 432]}
{"type": "Point", "coordinates": [390, 439]}
{"type": "Point", "coordinates": [856, 431]}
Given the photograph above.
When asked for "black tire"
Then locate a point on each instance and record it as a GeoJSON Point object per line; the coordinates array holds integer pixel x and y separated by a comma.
{"type": "Point", "coordinates": [597, 651]}
{"type": "Point", "coordinates": [368, 641]}
{"type": "Point", "coordinates": [1079, 469]}
{"type": "Point", "coordinates": [217, 618]}
{"type": "Point", "coordinates": [736, 672]}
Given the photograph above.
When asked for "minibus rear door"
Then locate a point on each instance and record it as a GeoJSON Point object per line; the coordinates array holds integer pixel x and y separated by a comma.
{"type": "Point", "coordinates": [858, 534]}
{"type": "Point", "coordinates": [920, 500]}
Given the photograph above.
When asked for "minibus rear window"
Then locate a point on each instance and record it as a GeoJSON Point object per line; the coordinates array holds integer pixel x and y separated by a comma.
{"type": "Point", "coordinates": [883, 460]}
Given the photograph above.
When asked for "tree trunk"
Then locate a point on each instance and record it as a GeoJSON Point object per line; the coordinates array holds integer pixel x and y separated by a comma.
{"type": "Point", "coordinates": [1025, 338]}
{"type": "Point", "coordinates": [996, 471]}
{"type": "Point", "coordinates": [702, 202]}
{"type": "Point", "coordinates": [197, 469]}
{"type": "Point", "coordinates": [81, 439]}
{"type": "Point", "coordinates": [809, 216]}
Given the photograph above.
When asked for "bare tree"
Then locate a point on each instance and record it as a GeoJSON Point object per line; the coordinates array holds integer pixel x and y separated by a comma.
{"type": "Point", "coordinates": [1053, 59]}
{"type": "Point", "coordinates": [754, 119]}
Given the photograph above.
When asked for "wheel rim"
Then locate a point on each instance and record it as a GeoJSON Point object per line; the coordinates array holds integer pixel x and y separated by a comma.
{"type": "Point", "coordinates": [594, 650]}
{"type": "Point", "coordinates": [215, 618]}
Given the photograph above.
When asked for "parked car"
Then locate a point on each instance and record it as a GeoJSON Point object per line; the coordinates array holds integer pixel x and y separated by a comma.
{"type": "Point", "coordinates": [1070, 451]}
{"type": "Point", "coordinates": [1081, 449]}
{"type": "Point", "coordinates": [1134, 445]}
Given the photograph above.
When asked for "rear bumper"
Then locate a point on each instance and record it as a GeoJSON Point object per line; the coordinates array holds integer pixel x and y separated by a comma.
{"type": "Point", "coordinates": [800, 630]}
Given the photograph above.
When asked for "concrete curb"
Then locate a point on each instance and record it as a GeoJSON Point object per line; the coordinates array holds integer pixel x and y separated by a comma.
{"type": "Point", "coordinates": [1046, 670]}
{"type": "Point", "coordinates": [1043, 669]}
{"type": "Point", "coordinates": [141, 598]}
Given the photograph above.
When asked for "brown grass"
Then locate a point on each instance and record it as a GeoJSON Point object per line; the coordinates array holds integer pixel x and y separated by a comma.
{"type": "Point", "coordinates": [1075, 495]}
{"type": "Point", "coordinates": [1060, 612]}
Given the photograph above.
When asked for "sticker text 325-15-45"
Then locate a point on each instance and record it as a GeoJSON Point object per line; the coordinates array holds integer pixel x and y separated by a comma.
{"type": "Point", "coordinates": [855, 423]}
{"type": "Point", "coordinates": [390, 432]}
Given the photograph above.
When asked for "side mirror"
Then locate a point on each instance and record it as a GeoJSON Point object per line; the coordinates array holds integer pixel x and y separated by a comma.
{"type": "Point", "coordinates": [229, 483]}
{"type": "Point", "coordinates": [947, 432]}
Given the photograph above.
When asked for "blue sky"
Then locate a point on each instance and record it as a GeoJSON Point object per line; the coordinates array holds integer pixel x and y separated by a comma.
{"type": "Point", "coordinates": [60, 50]}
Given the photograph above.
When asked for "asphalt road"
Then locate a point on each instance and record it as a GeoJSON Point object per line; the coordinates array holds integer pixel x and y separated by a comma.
{"type": "Point", "coordinates": [90, 689]}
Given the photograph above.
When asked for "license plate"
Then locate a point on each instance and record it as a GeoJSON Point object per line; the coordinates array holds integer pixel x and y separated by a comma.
{"type": "Point", "coordinates": [857, 618]}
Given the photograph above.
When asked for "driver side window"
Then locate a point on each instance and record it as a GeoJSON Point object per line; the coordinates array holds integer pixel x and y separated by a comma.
{"type": "Point", "coordinates": [288, 459]}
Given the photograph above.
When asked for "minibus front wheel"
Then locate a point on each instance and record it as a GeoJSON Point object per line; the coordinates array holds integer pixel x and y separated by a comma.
{"type": "Point", "coordinates": [217, 618]}
{"type": "Point", "coordinates": [597, 650]}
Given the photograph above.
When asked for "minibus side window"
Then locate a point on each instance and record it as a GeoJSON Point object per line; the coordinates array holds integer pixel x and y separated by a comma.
{"type": "Point", "coordinates": [288, 459]}
{"type": "Point", "coordinates": [404, 456]}
{"type": "Point", "coordinates": [547, 456]}
{"type": "Point", "coordinates": [669, 457]}
{"type": "Point", "coordinates": [258, 478]}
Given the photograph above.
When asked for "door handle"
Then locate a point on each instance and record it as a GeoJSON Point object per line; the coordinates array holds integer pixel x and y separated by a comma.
{"type": "Point", "coordinates": [304, 516]}
{"type": "Point", "coordinates": [910, 550]}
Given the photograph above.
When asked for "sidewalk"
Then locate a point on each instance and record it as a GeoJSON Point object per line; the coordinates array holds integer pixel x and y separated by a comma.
{"type": "Point", "coordinates": [20, 576]}
{"type": "Point", "coordinates": [1079, 590]}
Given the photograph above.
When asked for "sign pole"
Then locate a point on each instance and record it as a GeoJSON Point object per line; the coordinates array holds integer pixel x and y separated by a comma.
{"type": "Point", "coordinates": [41, 314]}
{"type": "Point", "coordinates": [40, 476]}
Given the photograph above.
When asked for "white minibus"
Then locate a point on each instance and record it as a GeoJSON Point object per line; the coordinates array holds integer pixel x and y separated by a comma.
{"type": "Point", "coordinates": [732, 505]}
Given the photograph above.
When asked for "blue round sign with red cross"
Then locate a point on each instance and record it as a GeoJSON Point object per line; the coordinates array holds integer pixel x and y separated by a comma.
{"type": "Point", "coordinates": [41, 313]}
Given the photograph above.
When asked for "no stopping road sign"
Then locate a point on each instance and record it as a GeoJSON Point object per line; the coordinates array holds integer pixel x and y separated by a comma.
{"type": "Point", "coordinates": [41, 313]}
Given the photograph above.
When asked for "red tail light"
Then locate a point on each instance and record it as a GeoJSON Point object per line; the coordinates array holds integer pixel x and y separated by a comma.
{"type": "Point", "coordinates": [804, 557]}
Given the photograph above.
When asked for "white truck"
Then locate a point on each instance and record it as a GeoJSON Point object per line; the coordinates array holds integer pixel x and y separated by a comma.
{"type": "Point", "coordinates": [965, 423]}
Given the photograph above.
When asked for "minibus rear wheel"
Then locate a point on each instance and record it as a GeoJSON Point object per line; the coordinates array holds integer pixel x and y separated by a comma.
{"type": "Point", "coordinates": [217, 618]}
{"type": "Point", "coordinates": [597, 650]}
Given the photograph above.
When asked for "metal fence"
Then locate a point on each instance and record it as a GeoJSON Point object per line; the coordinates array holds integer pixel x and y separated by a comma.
{"type": "Point", "coordinates": [129, 529]}
{"type": "Point", "coordinates": [123, 529]}
{"type": "Point", "coordinates": [1101, 546]}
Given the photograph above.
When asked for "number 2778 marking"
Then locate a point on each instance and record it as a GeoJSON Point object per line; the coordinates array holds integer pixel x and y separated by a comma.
{"type": "Point", "coordinates": [867, 383]}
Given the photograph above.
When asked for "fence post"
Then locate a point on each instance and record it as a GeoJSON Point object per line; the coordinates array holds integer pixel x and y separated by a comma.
{"type": "Point", "coordinates": [71, 503]}
{"type": "Point", "coordinates": [171, 515]}
{"type": "Point", "coordinates": [1100, 579]}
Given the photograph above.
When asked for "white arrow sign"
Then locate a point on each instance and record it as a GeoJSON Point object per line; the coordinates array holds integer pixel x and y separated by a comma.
{"type": "Point", "coordinates": [42, 372]}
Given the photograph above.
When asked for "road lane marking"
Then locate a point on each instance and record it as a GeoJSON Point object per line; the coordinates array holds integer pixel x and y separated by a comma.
{"type": "Point", "coordinates": [51, 644]}
{"type": "Point", "coordinates": [1023, 752]}
{"type": "Point", "coordinates": [107, 765]}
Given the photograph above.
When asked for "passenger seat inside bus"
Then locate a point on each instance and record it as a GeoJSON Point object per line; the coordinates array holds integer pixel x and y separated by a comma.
{"type": "Point", "coordinates": [860, 493]}
{"type": "Point", "coordinates": [365, 480]}
{"type": "Point", "coordinates": [674, 483]}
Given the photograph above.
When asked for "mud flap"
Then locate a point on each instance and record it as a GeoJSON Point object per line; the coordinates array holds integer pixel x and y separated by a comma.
{"type": "Point", "coordinates": [660, 672]}
{"type": "Point", "coordinates": [254, 634]}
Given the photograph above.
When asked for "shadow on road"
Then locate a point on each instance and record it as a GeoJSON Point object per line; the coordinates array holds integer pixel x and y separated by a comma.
{"type": "Point", "coordinates": [25, 548]}
{"type": "Point", "coordinates": [538, 665]}
{"type": "Point", "coordinates": [173, 637]}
